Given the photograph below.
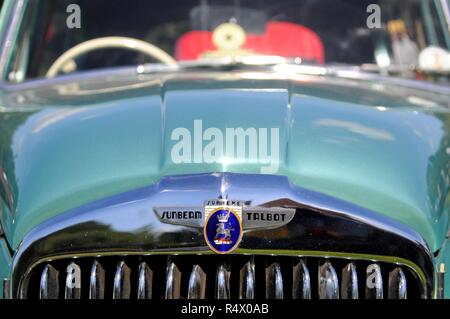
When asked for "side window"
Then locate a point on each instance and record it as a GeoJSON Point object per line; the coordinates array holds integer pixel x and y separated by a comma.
{"type": "Point", "coordinates": [412, 27]}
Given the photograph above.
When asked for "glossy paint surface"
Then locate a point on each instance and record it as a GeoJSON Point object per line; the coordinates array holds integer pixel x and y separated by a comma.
{"type": "Point", "coordinates": [127, 224]}
{"type": "Point", "coordinates": [73, 140]}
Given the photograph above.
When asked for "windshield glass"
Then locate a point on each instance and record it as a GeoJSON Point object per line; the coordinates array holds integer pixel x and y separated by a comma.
{"type": "Point", "coordinates": [385, 34]}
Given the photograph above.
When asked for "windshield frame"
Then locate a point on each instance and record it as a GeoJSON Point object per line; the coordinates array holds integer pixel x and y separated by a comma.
{"type": "Point", "coordinates": [11, 18]}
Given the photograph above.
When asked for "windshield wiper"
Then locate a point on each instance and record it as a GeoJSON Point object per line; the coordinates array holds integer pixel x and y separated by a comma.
{"type": "Point", "coordinates": [270, 63]}
{"type": "Point", "coordinates": [227, 63]}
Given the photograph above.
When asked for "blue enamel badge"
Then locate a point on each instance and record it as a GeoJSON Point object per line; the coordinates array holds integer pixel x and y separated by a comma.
{"type": "Point", "coordinates": [223, 230]}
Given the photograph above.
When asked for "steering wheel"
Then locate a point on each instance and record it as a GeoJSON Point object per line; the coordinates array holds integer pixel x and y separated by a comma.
{"type": "Point", "coordinates": [66, 60]}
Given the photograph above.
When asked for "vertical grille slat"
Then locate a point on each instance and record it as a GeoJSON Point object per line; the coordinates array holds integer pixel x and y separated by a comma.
{"type": "Point", "coordinates": [220, 277]}
{"type": "Point", "coordinates": [49, 283]}
{"type": "Point", "coordinates": [222, 282]}
{"type": "Point", "coordinates": [73, 282]}
{"type": "Point", "coordinates": [397, 284]}
{"type": "Point", "coordinates": [173, 281]}
{"type": "Point", "coordinates": [145, 282]}
{"type": "Point", "coordinates": [97, 281]}
{"type": "Point", "coordinates": [349, 284]}
{"type": "Point", "coordinates": [374, 282]}
{"type": "Point", "coordinates": [247, 281]}
{"type": "Point", "coordinates": [274, 282]}
{"type": "Point", "coordinates": [197, 283]}
{"type": "Point", "coordinates": [122, 287]}
{"type": "Point", "coordinates": [301, 283]}
{"type": "Point", "coordinates": [328, 282]}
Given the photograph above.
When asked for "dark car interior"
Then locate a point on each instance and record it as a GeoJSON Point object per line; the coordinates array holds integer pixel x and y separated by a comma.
{"type": "Point", "coordinates": [317, 31]}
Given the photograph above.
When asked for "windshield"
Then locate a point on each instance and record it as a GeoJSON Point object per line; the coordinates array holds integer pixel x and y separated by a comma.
{"type": "Point", "coordinates": [383, 35]}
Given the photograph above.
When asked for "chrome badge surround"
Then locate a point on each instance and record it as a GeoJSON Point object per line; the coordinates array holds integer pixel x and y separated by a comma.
{"type": "Point", "coordinates": [253, 217]}
{"type": "Point", "coordinates": [248, 217]}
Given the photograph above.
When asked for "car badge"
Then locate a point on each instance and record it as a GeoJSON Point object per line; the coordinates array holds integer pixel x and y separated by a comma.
{"type": "Point", "coordinates": [224, 220]}
{"type": "Point", "coordinates": [223, 226]}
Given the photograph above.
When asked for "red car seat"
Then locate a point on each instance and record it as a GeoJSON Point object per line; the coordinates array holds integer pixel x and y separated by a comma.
{"type": "Point", "coordinates": [281, 38]}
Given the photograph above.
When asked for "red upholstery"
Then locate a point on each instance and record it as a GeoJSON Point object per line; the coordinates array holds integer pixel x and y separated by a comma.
{"type": "Point", "coordinates": [281, 38]}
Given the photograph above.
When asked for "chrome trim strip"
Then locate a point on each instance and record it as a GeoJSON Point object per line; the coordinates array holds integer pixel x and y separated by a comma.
{"type": "Point", "coordinates": [173, 281]}
{"type": "Point", "coordinates": [97, 281]}
{"type": "Point", "coordinates": [446, 11]}
{"type": "Point", "coordinates": [222, 290]}
{"type": "Point", "coordinates": [5, 190]}
{"type": "Point", "coordinates": [6, 47]}
{"type": "Point", "coordinates": [6, 288]}
{"type": "Point", "coordinates": [122, 285]}
{"type": "Point", "coordinates": [301, 283]}
{"type": "Point", "coordinates": [247, 281]}
{"type": "Point", "coordinates": [49, 284]}
{"type": "Point", "coordinates": [129, 222]}
{"type": "Point", "coordinates": [145, 282]}
{"type": "Point", "coordinates": [440, 293]}
{"type": "Point", "coordinates": [328, 282]}
{"type": "Point", "coordinates": [349, 284]}
{"type": "Point", "coordinates": [397, 287]}
{"type": "Point", "coordinates": [274, 282]}
{"type": "Point", "coordinates": [197, 283]}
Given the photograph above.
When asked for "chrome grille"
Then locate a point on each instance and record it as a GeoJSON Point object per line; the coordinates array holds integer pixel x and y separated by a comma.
{"type": "Point", "coordinates": [220, 277]}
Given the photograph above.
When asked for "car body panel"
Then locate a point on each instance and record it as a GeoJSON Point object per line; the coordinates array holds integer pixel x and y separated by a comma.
{"type": "Point", "coordinates": [73, 140]}
{"type": "Point", "coordinates": [377, 142]}
{"type": "Point", "coordinates": [127, 224]}
{"type": "Point", "coordinates": [444, 258]}
{"type": "Point", "coordinates": [5, 262]}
